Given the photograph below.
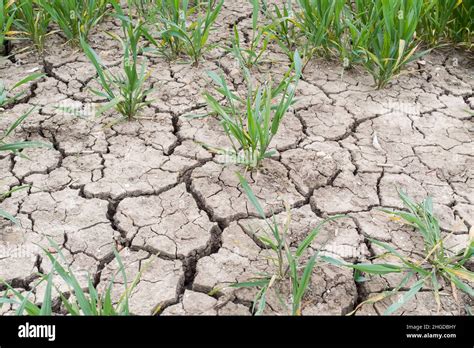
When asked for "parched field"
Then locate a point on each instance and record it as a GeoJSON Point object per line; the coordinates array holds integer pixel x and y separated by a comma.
{"type": "Point", "coordinates": [175, 210]}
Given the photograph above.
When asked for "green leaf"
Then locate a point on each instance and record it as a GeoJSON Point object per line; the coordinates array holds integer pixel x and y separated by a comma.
{"type": "Point", "coordinates": [251, 284]}
{"type": "Point", "coordinates": [405, 298]}
{"type": "Point", "coordinates": [46, 308]}
{"type": "Point", "coordinates": [251, 195]}
{"type": "Point", "coordinates": [28, 79]}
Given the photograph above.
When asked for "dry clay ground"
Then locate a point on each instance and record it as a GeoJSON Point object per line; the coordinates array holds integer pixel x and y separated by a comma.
{"type": "Point", "coordinates": [177, 213]}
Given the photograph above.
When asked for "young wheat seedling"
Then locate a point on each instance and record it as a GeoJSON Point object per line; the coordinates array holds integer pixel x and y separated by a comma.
{"type": "Point", "coordinates": [251, 123]}
{"type": "Point", "coordinates": [438, 264]}
{"type": "Point", "coordinates": [125, 91]}
{"type": "Point", "coordinates": [288, 263]}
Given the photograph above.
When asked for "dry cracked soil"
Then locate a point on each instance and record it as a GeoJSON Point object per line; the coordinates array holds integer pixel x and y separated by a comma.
{"type": "Point", "coordinates": [178, 214]}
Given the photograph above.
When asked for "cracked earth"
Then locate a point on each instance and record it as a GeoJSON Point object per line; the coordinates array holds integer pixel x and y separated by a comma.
{"type": "Point", "coordinates": [177, 214]}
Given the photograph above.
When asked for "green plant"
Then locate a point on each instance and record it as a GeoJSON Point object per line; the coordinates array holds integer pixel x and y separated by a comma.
{"type": "Point", "coordinates": [142, 7]}
{"type": "Point", "coordinates": [78, 300]}
{"type": "Point", "coordinates": [318, 21]}
{"type": "Point", "coordinates": [438, 261]}
{"type": "Point", "coordinates": [435, 16]}
{"type": "Point", "coordinates": [287, 260]}
{"type": "Point", "coordinates": [179, 33]}
{"type": "Point", "coordinates": [75, 18]}
{"type": "Point", "coordinates": [7, 16]}
{"type": "Point", "coordinates": [282, 28]}
{"type": "Point", "coordinates": [447, 20]}
{"type": "Point", "coordinates": [392, 43]}
{"type": "Point", "coordinates": [258, 41]}
{"type": "Point", "coordinates": [251, 123]}
{"type": "Point", "coordinates": [461, 27]}
{"type": "Point", "coordinates": [32, 21]}
{"type": "Point", "coordinates": [354, 31]}
{"type": "Point", "coordinates": [126, 92]}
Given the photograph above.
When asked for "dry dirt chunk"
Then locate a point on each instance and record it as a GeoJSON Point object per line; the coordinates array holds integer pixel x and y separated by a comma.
{"type": "Point", "coordinates": [339, 238]}
{"type": "Point", "coordinates": [332, 292]}
{"type": "Point", "coordinates": [196, 303]}
{"type": "Point", "coordinates": [309, 169]}
{"type": "Point", "coordinates": [193, 303]}
{"type": "Point", "coordinates": [451, 164]}
{"type": "Point", "coordinates": [19, 252]}
{"type": "Point", "coordinates": [192, 150]}
{"type": "Point", "coordinates": [75, 75]}
{"type": "Point", "coordinates": [218, 188]}
{"type": "Point", "coordinates": [206, 130]}
{"type": "Point", "coordinates": [326, 121]}
{"type": "Point", "coordinates": [349, 193]}
{"type": "Point", "coordinates": [56, 180]}
{"type": "Point", "coordinates": [40, 160]}
{"type": "Point", "coordinates": [179, 88]}
{"type": "Point", "coordinates": [384, 143]}
{"type": "Point", "coordinates": [7, 180]}
{"type": "Point", "coordinates": [339, 154]}
{"type": "Point", "coordinates": [464, 190]}
{"type": "Point", "coordinates": [155, 130]}
{"type": "Point", "coordinates": [158, 285]}
{"type": "Point", "coordinates": [309, 95]}
{"type": "Point", "coordinates": [444, 131]}
{"type": "Point", "coordinates": [465, 212]}
{"type": "Point", "coordinates": [67, 217]}
{"type": "Point", "coordinates": [132, 168]}
{"type": "Point", "coordinates": [19, 245]}
{"type": "Point", "coordinates": [170, 223]}
{"type": "Point", "coordinates": [235, 261]}
{"type": "Point", "coordinates": [81, 137]}
{"type": "Point", "coordinates": [363, 105]}
{"type": "Point", "coordinates": [289, 133]}
{"type": "Point", "coordinates": [48, 95]}
{"type": "Point", "coordinates": [83, 168]}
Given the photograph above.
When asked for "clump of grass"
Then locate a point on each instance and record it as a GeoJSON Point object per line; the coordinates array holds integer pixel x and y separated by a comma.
{"type": "Point", "coordinates": [76, 18]}
{"type": "Point", "coordinates": [354, 32]}
{"type": "Point", "coordinates": [251, 123]}
{"type": "Point", "coordinates": [7, 15]}
{"type": "Point", "coordinates": [287, 260]}
{"type": "Point", "coordinates": [392, 44]}
{"type": "Point", "coordinates": [78, 300]}
{"type": "Point", "coordinates": [444, 21]}
{"type": "Point", "coordinates": [438, 263]}
{"type": "Point", "coordinates": [31, 22]}
{"type": "Point", "coordinates": [434, 19]}
{"type": "Point", "coordinates": [317, 20]}
{"type": "Point", "coordinates": [461, 27]}
{"type": "Point", "coordinates": [125, 91]}
{"type": "Point", "coordinates": [185, 29]}
{"type": "Point", "coordinates": [282, 27]}
{"type": "Point", "coordinates": [258, 42]}
{"type": "Point", "coordinates": [142, 7]}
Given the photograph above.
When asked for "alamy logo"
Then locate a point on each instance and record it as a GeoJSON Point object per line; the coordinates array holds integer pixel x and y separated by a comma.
{"type": "Point", "coordinates": [37, 331]}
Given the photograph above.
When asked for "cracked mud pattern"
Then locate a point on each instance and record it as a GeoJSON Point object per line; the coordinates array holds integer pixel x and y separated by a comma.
{"type": "Point", "coordinates": [178, 215]}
